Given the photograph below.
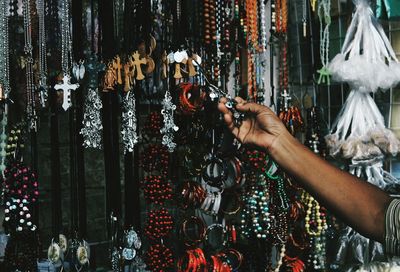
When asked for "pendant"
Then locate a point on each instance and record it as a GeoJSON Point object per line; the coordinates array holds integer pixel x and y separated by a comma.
{"type": "Point", "coordinates": [66, 87]}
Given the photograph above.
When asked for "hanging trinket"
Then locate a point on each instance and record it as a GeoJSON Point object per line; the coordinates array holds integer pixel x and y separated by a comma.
{"type": "Point", "coordinates": [137, 61]}
{"type": "Point", "coordinates": [132, 244]}
{"type": "Point", "coordinates": [129, 123]}
{"type": "Point", "coordinates": [78, 70]}
{"type": "Point", "coordinates": [92, 125]}
{"type": "Point", "coordinates": [324, 9]}
{"type": "Point", "coordinates": [169, 125]}
{"type": "Point", "coordinates": [66, 57]}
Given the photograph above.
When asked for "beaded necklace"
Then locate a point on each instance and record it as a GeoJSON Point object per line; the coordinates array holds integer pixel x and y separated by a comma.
{"type": "Point", "coordinates": [262, 25]}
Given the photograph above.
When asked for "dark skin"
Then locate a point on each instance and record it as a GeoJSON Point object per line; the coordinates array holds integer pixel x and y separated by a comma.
{"type": "Point", "coordinates": [358, 203]}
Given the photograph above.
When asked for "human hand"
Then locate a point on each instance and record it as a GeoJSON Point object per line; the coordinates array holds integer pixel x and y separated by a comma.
{"type": "Point", "coordinates": [260, 127]}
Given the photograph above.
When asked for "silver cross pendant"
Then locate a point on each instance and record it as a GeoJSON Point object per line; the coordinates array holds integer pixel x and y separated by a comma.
{"type": "Point", "coordinates": [66, 87]}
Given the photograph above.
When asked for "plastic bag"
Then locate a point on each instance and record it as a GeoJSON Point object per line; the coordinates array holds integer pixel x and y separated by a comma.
{"type": "Point", "coordinates": [367, 60]}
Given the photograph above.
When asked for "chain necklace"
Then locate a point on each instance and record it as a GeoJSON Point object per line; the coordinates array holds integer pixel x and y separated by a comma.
{"type": "Point", "coordinates": [66, 57]}
{"type": "Point", "coordinates": [42, 53]}
{"type": "Point", "coordinates": [30, 85]}
{"type": "Point", "coordinates": [4, 78]}
{"type": "Point", "coordinates": [4, 52]}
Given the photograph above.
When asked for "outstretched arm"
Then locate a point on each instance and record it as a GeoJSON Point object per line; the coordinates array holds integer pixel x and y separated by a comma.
{"type": "Point", "coordinates": [358, 203]}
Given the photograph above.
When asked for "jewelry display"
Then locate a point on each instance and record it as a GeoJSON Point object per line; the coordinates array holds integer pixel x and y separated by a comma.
{"type": "Point", "coordinates": [66, 56]}
{"type": "Point", "coordinates": [202, 199]}
{"type": "Point", "coordinates": [128, 122]}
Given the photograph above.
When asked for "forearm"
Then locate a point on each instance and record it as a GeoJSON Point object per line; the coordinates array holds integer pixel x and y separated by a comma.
{"type": "Point", "coordinates": [358, 203]}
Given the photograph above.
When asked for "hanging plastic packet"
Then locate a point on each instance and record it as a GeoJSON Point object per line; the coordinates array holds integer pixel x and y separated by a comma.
{"type": "Point", "coordinates": [367, 60]}
{"type": "Point", "coordinates": [367, 63]}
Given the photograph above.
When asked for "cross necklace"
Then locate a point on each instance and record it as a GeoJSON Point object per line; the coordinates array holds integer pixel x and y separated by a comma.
{"type": "Point", "coordinates": [66, 57]}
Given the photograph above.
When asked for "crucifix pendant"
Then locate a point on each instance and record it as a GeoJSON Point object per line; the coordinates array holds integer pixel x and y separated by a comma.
{"type": "Point", "coordinates": [66, 87]}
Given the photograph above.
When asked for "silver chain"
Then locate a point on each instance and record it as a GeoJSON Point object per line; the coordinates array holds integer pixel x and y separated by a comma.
{"type": "Point", "coordinates": [30, 85]}
{"type": "Point", "coordinates": [66, 42]}
{"type": "Point", "coordinates": [4, 45]}
{"type": "Point", "coordinates": [42, 53]}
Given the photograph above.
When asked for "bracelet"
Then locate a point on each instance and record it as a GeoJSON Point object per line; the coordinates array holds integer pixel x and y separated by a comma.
{"type": "Point", "coordinates": [208, 172]}
{"type": "Point", "coordinates": [159, 224]}
{"type": "Point", "coordinates": [156, 189]}
{"type": "Point", "coordinates": [238, 203]}
{"type": "Point", "coordinates": [159, 258]}
{"type": "Point", "coordinates": [191, 98]}
{"type": "Point", "coordinates": [191, 241]}
{"type": "Point", "coordinates": [214, 227]}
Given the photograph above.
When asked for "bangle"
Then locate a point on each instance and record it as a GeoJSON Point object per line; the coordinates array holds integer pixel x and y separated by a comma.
{"type": "Point", "coordinates": [159, 224]}
{"type": "Point", "coordinates": [213, 227]}
{"type": "Point", "coordinates": [209, 169]}
{"type": "Point", "coordinates": [236, 208]}
{"type": "Point", "coordinates": [191, 241]}
{"type": "Point", "coordinates": [159, 258]}
{"type": "Point", "coordinates": [191, 98]}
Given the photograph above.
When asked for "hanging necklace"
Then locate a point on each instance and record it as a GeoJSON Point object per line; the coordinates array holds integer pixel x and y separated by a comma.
{"type": "Point", "coordinates": [262, 25]}
{"type": "Point", "coordinates": [30, 85]}
{"type": "Point", "coordinates": [324, 9]}
{"type": "Point", "coordinates": [66, 57]}
{"type": "Point", "coordinates": [4, 79]}
{"type": "Point", "coordinates": [42, 54]}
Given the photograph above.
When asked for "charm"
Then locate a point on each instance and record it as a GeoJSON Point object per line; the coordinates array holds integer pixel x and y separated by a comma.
{"type": "Point", "coordinates": [137, 62]}
{"type": "Point", "coordinates": [66, 87]}
{"type": "Point", "coordinates": [165, 63]}
{"type": "Point", "coordinates": [62, 242]}
{"type": "Point", "coordinates": [83, 254]}
{"type": "Point", "coordinates": [179, 57]}
{"type": "Point", "coordinates": [54, 252]}
{"type": "Point", "coordinates": [169, 124]}
{"type": "Point", "coordinates": [92, 125]}
{"type": "Point", "coordinates": [237, 116]}
{"type": "Point", "coordinates": [128, 71]}
{"type": "Point", "coordinates": [129, 122]}
{"type": "Point", "coordinates": [118, 67]}
{"type": "Point", "coordinates": [191, 63]}
{"type": "Point", "coordinates": [324, 76]}
{"type": "Point", "coordinates": [78, 70]}
{"type": "Point", "coordinates": [110, 78]}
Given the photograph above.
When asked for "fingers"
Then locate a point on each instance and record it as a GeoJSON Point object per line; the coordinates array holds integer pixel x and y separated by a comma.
{"type": "Point", "coordinates": [252, 107]}
{"type": "Point", "coordinates": [228, 118]}
{"type": "Point", "coordinates": [221, 106]}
